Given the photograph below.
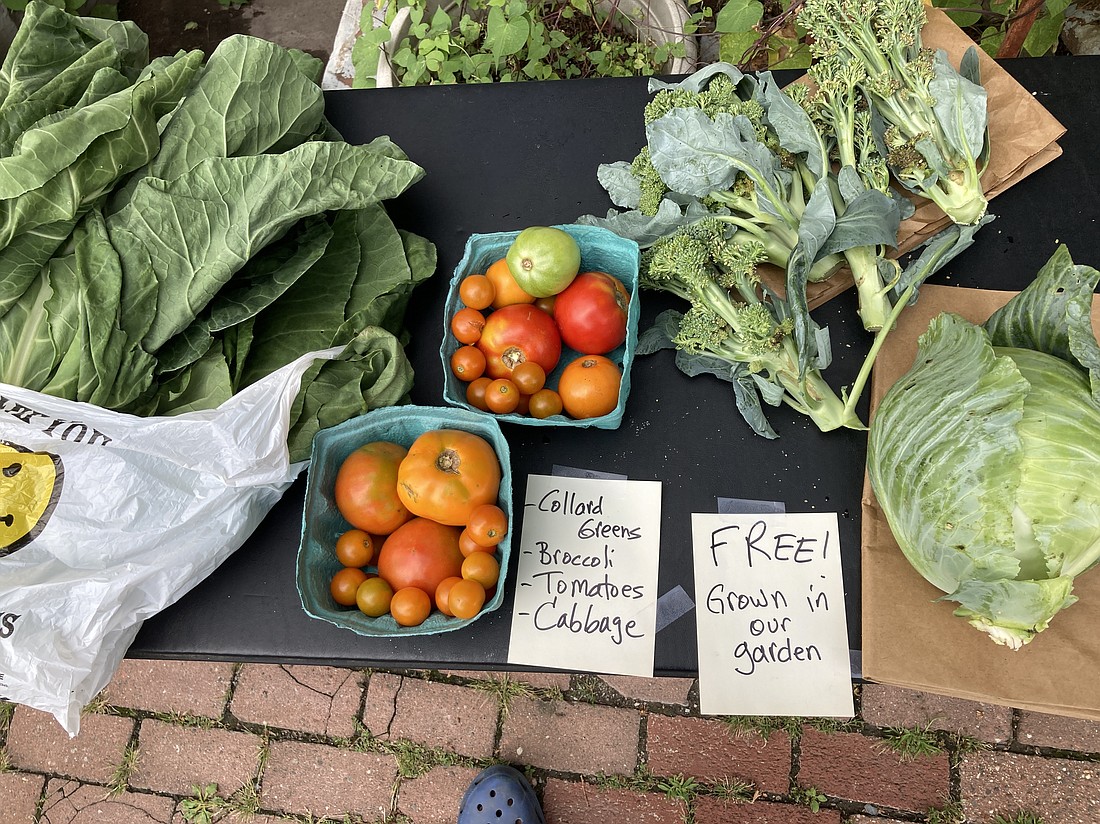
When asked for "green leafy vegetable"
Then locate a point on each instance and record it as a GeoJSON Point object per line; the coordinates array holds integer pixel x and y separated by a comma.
{"type": "Point", "coordinates": [985, 456]}
{"type": "Point", "coordinates": [172, 231]}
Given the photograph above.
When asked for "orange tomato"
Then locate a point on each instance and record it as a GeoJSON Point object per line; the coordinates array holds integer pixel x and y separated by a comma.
{"type": "Point", "coordinates": [420, 554]}
{"type": "Point", "coordinates": [410, 606]}
{"type": "Point", "coordinates": [442, 592]}
{"type": "Point", "coordinates": [355, 548]}
{"type": "Point", "coordinates": [589, 386]}
{"type": "Point", "coordinates": [502, 396]}
{"type": "Point", "coordinates": [487, 525]}
{"type": "Point", "coordinates": [477, 291]}
{"type": "Point", "coordinates": [447, 473]}
{"type": "Point", "coordinates": [466, 598]}
{"type": "Point", "coordinates": [344, 584]}
{"type": "Point", "coordinates": [468, 363]}
{"type": "Point", "coordinates": [373, 597]}
{"type": "Point", "coordinates": [365, 490]}
{"type": "Point", "coordinates": [506, 290]}
{"type": "Point", "coordinates": [529, 377]}
{"type": "Point", "coordinates": [467, 544]}
{"type": "Point", "coordinates": [466, 325]}
{"type": "Point", "coordinates": [544, 403]}
{"type": "Point", "coordinates": [482, 567]}
{"type": "Point", "coordinates": [475, 393]}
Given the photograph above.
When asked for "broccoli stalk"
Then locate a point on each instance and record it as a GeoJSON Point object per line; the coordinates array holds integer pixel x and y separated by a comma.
{"type": "Point", "coordinates": [840, 113]}
{"type": "Point", "coordinates": [879, 41]}
{"type": "Point", "coordinates": [733, 320]}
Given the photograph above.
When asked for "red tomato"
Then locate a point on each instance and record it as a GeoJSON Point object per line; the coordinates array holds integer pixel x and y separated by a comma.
{"type": "Point", "coordinates": [366, 488]}
{"type": "Point", "coordinates": [591, 313]}
{"type": "Point", "coordinates": [517, 333]}
{"type": "Point", "coordinates": [420, 554]}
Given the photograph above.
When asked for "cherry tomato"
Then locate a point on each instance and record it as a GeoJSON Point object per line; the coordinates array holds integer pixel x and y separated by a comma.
{"type": "Point", "coordinates": [467, 544]}
{"type": "Point", "coordinates": [420, 554]}
{"type": "Point", "coordinates": [410, 606]}
{"type": "Point", "coordinates": [355, 548]}
{"type": "Point", "coordinates": [487, 525]}
{"type": "Point", "coordinates": [528, 377]}
{"type": "Point", "coordinates": [365, 490]}
{"type": "Point", "coordinates": [524, 405]}
{"type": "Point", "coordinates": [441, 593]}
{"type": "Point", "coordinates": [589, 386]}
{"type": "Point", "coordinates": [519, 333]}
{"type": "Point", "coordinates": [475, 393]}
{"type": "Point", "coordinates": [344, 584]}
{"type": "Point", "coordinates": [477, 291]}
{"type": "Point", "coordinates": [373, 597]}
{"type": "Point", "coordinates": [591, 313]}
{"type": "Point", "coordinates": [502, 396]}
{"type": "Point", "coordinates": [482, 567]}
{"type": "Point", "coordinates": [468, 363]}
{"type": "Point", "coordinates": [544, 403]}
{"type": "Point", "coordinates": [546, 304]}
{"type": "Point", "coordinates": [466, 598]}
{"type": "Point", "coordinates": [544, 260]}
{"type": "Point", "coordinates": [506, 291]}
{"type": "Point", "coordinates": [447, 473]}
{"type": "Point", "coordinates": [467, 325]}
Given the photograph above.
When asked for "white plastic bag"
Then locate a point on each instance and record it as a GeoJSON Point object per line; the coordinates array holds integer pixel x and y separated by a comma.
{"type": "Point", "coordinates": [109, 518]}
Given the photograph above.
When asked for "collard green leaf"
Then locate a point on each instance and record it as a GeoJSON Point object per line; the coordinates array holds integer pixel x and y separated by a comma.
{"type": "Point", "coordinates": [793, 126]}
{"type": "Point", "coordinates": [870, 219]}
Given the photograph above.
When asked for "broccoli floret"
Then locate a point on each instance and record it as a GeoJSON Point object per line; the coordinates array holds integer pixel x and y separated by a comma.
{"type": "Point", "coordinates": [653, 188]}
{"type": "Point", "coordinates": [714, 268]}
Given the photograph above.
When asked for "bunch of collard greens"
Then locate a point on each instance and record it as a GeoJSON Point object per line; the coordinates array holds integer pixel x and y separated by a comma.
{"type": "Point", "coordinates": [171, 231]}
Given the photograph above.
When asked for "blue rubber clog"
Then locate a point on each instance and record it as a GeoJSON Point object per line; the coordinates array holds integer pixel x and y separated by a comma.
{"type": "Point", "coordinates": [500, 795]}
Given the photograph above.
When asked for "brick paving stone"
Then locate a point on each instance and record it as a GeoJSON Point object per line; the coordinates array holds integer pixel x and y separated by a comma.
{"type": "Point", "coordinates": [719, 811]}
{"type": "Point", "coordinates": [581, 738]}
{"type": "Point", "coordinates": [37, 742]}
{"type": "Point", "coordinates": [185, 687]}
{"type": "Point", "coordinates": [539, 680]}
{"type": "Point", "coordinates": [19, 794]}
{"type": "Point", "coordinates": [319, 780]}
{"type": "Point", "coordinates": [321, 700]}
{"type": "Point", "coordinates": [861, 768]}
{"type": "Point", "coordinates": [175, 759]}
{"type": "Point", "coordinates": [435, 797]}
{"type": "Point", "coordinates": [654, 690]}
{"type": "Point", "coordinates": [887, 706]}
{"type": "Point", "coordinates": [456, 718]}
{"type": "Point", "coordinates": [575, 802]}
{"type": "Point", "coordinates": [871, 819]}
{"type": "Point", "coordinates": [1039, 729]}
{"type": "Point", "coordinates": [1059, 790]}
{"type": "Point", "coordinates": [709, 751]}
{"type": "Point", "coordinates": [69, 802]}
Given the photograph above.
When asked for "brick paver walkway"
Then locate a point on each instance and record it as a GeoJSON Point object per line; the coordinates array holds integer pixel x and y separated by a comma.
{"type": "Point", "coordinates": [179, 742]}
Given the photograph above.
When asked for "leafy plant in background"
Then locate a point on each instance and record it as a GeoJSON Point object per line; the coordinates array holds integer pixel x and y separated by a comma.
{"type": "Point", "coordinates": [477, 41]}
{"type": "Point", "coordinates": [756, 35]}
{"type": "Point", "coordinates": [84, 8]}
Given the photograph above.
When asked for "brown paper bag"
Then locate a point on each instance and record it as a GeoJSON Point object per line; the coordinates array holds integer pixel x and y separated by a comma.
{"type": "Point", "coordinates": [912, 640]}
{"type": "Point", "coordinates": [1015, 151]}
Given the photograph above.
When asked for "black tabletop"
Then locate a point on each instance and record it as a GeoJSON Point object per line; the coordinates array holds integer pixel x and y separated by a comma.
{"type": "Point", "coordinates": [505, 156]}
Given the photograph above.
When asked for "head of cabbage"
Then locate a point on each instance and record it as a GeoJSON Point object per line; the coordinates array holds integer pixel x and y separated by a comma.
{"type": "Point", "coordinates": [985, 456]}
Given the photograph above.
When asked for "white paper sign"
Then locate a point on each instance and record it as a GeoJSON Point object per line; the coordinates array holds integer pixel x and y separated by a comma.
{"type": "Point", "coordinates": [772, 632]}
{"type": "Point", "coordinates": [586, 589]}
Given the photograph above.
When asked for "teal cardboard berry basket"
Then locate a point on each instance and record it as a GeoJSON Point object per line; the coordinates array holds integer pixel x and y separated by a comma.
{"type": "Point", "coordinates": [601, 251]}
{"type": "Point", "coordinates": [322, 522]}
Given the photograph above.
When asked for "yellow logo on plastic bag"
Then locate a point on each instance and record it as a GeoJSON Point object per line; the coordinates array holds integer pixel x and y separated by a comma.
{"type": "Point", "coordinates": [30, 485]}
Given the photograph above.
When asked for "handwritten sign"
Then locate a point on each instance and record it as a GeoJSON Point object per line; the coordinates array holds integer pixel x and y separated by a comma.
{"type": "Point", "coordinates": [772, 631]}
{"type": "Point", "coordinates": [586, 589]}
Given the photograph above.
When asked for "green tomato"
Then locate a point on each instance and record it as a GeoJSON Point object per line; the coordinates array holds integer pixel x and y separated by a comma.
{"type": "Point", "coordinates": [544, 260]}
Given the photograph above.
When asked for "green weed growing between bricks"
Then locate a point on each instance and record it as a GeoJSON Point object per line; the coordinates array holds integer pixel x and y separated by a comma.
{"type": "Point", "coordinates": [507, 690]}
{"type": "Point", "coordinates": [949, 814]}
{"type": "Point", "coordinates": [764, 725]}
{"type": "Point", "coordinates": [911, 742]}
{"type": "Point", "coordinates": [811, 797]}
{"type": "Point", "coordinates": [1018, 818]}
{"type": "Point", "coordinates": [120, 779]}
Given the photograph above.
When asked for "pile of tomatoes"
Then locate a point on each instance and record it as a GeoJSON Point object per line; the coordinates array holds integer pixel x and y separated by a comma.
{"type": "Point", "coordinates": [425, 526]}
{"type": "Point", "coordinates": [513, 327]}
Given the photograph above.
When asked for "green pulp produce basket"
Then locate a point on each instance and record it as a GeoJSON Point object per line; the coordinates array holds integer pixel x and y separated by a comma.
{"type": "Point", "coordinates": [601, 251]}
{"type": "Point", "coordinates": [322, 523]}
